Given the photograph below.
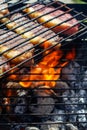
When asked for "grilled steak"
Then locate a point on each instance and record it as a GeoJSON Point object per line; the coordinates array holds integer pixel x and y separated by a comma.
{"type": "Point", "coordinates": [55, 21]}
{"type": "Point", "coordinates": [41, 31]}
{"type": "Point", "coordinates": [21, 48]}
{"type": "Point", "coordinates": [3, 66]}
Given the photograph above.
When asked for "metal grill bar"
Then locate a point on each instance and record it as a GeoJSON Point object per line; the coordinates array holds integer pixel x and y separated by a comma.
{"type": "Point", "coordinates": [51, 114]}
{"type": "Point", "coordinates": [53, 104]}
{"type": "Point", "coordinates": [46, 88]}
{"type": "Point", "coordinates": [26, 50]}
{"type": "Point", "coordinates": [40, 123]}
{"type": "Point", "coordinates": [13, 5]}
{"type": "Point", "coordinates": [43, 96]}
{"type": "Point", "coordinates": [35, 19]}
{"type": "Point", "coordinates": [55, 35]}
{"type": "Point", "coordinates": [15, 19]}
{"type": "Point", "coordinates": [28, 30]}
{"type": "Point", "coordinates": [78, 35]}
{"type": "Point", "coordinates": [45, 104]}
{"type": "Point", "coordinates": [20, 9]}
{"type": "Point", "coordinates": [38, 53]}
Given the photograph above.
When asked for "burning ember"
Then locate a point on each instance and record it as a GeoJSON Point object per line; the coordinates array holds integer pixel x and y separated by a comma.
{"type": "Point", "coordinates": [48, 70]}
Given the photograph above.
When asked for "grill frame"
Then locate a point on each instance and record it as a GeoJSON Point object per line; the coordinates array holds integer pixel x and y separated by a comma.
{"type": "Point", "coordinates": [35, 123]}
{"type": "Point", "coordinates": [61, 41]}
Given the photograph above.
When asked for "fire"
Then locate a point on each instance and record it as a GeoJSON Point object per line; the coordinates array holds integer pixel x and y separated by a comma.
{"type": "Point", "coordinates": [45, 73]}
{"type": "Point", "coordinates": [13, 76]}
{"type": "Point", "coordinates": [71, 55]}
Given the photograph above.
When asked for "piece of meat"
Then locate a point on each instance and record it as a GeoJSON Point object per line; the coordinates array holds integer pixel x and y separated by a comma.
{"type": "Point", "coordinates": [3, 67]}
{"type": "Point", "coordinates": [3, 7]}
{"type": "Point", "coordinates": [55, 21]}
{"type": "Point", "coordinates": [5, 36]}
{"type": "Point", "coordinates": [27, 24]}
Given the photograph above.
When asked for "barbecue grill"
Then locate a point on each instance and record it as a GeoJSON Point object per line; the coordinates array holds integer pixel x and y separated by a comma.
{"type": "Point", "coordinates": [45, 108]}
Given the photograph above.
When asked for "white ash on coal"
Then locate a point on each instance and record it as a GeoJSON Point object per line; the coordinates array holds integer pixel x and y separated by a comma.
{"type": "Point", "coordinates": [32, 128]}
{"type": "Point", "coordinates": [85, 80]}
{"type": "Point", "coordinates": [19, 99]}
{"type": "Point", "coordinates": [71, 127]}
{"type": "Point", "coordinates": [49, 125]}
{"type": "Point", "coordinates": [59, 106]}
{"type": "Point", "coordinates": [82, 119]}
{"type": "Point", "coordinates": [66, 103]}
{"type": "Point", "coordinates": [82, 108]}
{"type": "Point", "coordinates": [70, 100]}
{"type": "Point", "coordinates": [75, 99]}
{"type": "Point", "coordinates": [59, 115]}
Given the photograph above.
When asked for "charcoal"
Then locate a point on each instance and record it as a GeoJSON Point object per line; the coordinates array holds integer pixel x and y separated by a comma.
{"type": "Point", "coordinates": [81, 118]}
{"type": "Point", "coordinates": [82, 108]}
{"type": "Point", "coordinates": [31, 128]}
{"type": "Point", "coordinates": [77, 98]}
{"type": "Point", "coordinates": [82, 100]}
{"type": "Point", "coordinates": [70, 106]}
{"type": "Point", "coordinates": [40, 98]}
{"type": "Point", "coordinates": [60, 87]}
{"type": "Point", "coordinates": [68, 100]}
{"type": "Point", "coordinates": [71, 127]}
{"type": "Point", "coordinates": [17, 127]}
{"type": "Point", "coordinates": [85, 80]}
{"type": "Point", "coordinates": [20, 107]}
{"type": "Point", "coordinates": [71, 72]}
{"type": "Point", "coordinates": [21, 103]}
{"type": "Point", "coordinates": [51, 126]}
{"type": "Point", "coordinates": [59, 115]}
{"type": "Point", "coordinates": [22, 92]}
{"type": "Point", "coordinates": [13, 85]}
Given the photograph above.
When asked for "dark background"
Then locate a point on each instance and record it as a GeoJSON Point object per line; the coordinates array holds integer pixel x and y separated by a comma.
{"type": "Point", "coordinates": [79, 7]}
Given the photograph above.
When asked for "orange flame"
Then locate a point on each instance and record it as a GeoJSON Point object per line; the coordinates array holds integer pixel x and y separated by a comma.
{"type": "Point", "coordinates": [71, 55]}
{"type": "Point", "coordinates": [45, 73]}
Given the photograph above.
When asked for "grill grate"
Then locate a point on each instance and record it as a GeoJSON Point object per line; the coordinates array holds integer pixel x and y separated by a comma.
{"type": "Point", "coordinates": [74, 98]}
{"type": "Point", "coordinates": [77, 14]}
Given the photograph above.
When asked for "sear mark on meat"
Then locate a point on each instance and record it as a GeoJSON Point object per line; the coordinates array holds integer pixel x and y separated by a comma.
{"type": "Point", "coordinates": [22, 48]}
{"type": "Point", "coordinates": [28, 25]}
